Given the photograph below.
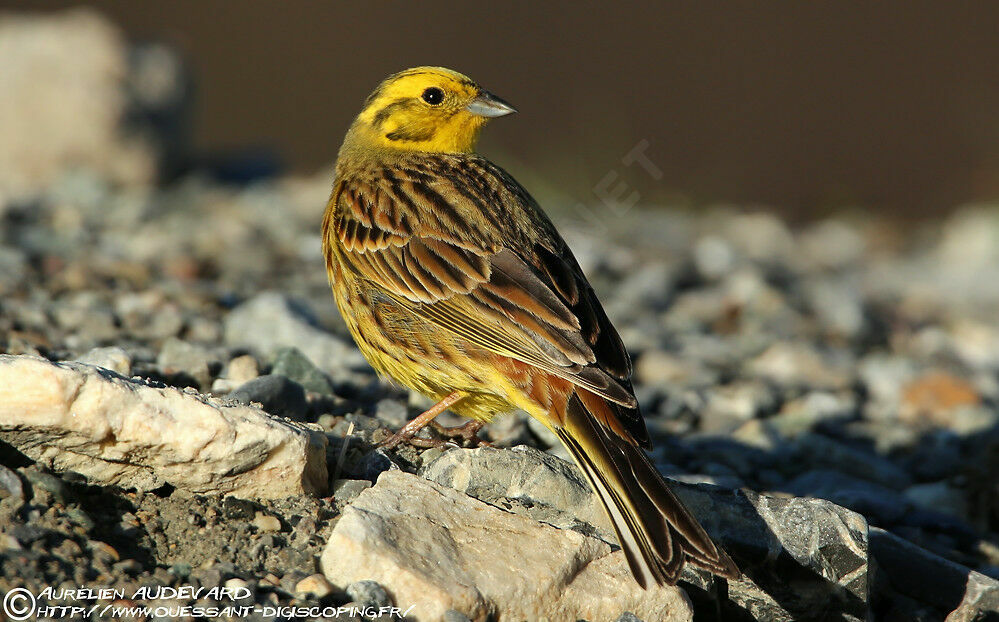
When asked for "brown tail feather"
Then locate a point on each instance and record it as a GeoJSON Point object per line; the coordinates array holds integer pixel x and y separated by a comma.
{"type": "Point", "coordinates": [655, 530]}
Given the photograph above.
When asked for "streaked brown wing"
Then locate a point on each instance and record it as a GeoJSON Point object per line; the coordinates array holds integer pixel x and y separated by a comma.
{"type": "Point", "coordinates": [460, 243]}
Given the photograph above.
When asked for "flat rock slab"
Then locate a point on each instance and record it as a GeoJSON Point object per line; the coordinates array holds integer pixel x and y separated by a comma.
{"type": "Point", "coordinates": [435, 549]}
{"type": "Point", "coordinates": [125, 432]}
{"type": "Point", "coordinates": [802, 559]}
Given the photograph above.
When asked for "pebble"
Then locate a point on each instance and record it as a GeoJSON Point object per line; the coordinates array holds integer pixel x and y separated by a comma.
{"type": "Point", "coordinates": [392, 413]}
{"type": "Point", "coordinates": [369, 594]}
{"type": "Point", "coordinates": [278, 395]}
{"type": "Point", "coordinates": [346, 490]}
{"type": "Point", "coordinates": [10, 484]}
{"type": "Point", "coordinates": [266, 523]}
{"type": "Point", "coordinates": [114, 358]}
{"type": "Point", "coordinates": [178, 356]}
{"type": "Point", "coordinates": [291, 363]}
{"type": "Point", "coordinates": [316, 586]}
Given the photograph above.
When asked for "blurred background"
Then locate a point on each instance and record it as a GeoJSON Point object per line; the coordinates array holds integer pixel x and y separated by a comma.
{"type": "Point", "coordinates": [807, 108]}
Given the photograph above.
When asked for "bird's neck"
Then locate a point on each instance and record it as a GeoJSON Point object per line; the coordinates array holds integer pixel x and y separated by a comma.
{"type": "Point", "coordinates": [381, 142]}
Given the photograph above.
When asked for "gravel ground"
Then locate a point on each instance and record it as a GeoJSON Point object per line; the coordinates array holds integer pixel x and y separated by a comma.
{"type": "Point", "coordinates": [849, 359]}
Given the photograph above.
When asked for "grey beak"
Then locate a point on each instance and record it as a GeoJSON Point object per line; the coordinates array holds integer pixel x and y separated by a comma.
{"type": "Point", "coordinates": [488, 105]}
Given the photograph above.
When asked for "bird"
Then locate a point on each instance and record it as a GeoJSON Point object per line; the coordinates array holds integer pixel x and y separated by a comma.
{"type": "Point", "coordinates": [454, 283]}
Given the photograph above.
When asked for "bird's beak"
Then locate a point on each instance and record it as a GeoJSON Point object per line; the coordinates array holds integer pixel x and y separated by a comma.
{"type": "Point", "coordinates": [488, 105]}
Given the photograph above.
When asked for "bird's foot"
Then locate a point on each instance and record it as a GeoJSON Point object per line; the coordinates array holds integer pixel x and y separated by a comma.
{"type": "Point", "coordinates": [469, 433]}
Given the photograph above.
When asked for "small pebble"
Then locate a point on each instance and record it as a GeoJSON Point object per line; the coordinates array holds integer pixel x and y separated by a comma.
{"type": "Point", "coordinates": [315, 585]}
{"type": "Point", "coordinates": [266, 523]}
{"type": "Point", "coordinates": [369, 594]}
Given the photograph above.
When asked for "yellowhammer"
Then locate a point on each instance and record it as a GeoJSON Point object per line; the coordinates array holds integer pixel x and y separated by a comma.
{"type": "Point", "coordinates": [454, 282]}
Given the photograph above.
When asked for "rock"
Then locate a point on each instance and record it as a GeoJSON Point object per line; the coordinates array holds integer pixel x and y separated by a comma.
{"type": "Point", "coordinates": [237, 372]}
{"type": "Point", "coordinates": [960, 594]}
{"type": "Point", "coordinates": [13, 268]}
{"type": "Point", "coordinates": [63, 103]}
{"type": "Point", "coordinates": [730, 405]}
{"type": "Point", "coordinates": [883, 505]}
{"type": "Point", "coordinates": [270, 321]}
{"type": "Point", "coordinates": [798, 555]}
{"type": "Point", "coordinates": [346, 490]}
{"type": "Point", "coordinates": [316, 586]}
{"type": "Point", "coordinates": [526, 481]}
{"type": "Point", "coordinates": [713, 257]}
{"type": "Point", "coordinates": [123, 432]}
{"type": "Point", "coordinates": [656, 367]}
{"type": "Point", "coordinates": [816, 408]}
{"type": "Point", "coordinates": [242, 369]}
{"type": "Point", "coordinates": [392, 413]}
{"type": "Point", "coordinates": [266, 523]}
{"type": "Point", "coordinates": [792, 364]}
{"type": "Point", "coordinates": [934, 397]}
{"type": "Point", "coordinates": [368, 594]}
{"type": "Point", "coordinates": [87, 317]}
{"type": "Point", "coordinates": [42, 481]}
{"type": "Point", "coordinates": [114, 358]}
{"type": "Point", "coordinates": [10, 484]}
{"type": "Point", "coordinates": [938, 496]}
{"type": "Point", "coordinates": [883, 377]}
{"type": "Point", "coordinates": [180, 357]}
{"type": "Point", "coordinates": [832, 244]}
{"type": "Point", "coordinates": [821, 451]}
{"type": "Point", "coordinates": [278, 395]}
{"type": "Point", "coordinates": [291, 363]}
{"type": "Point", "coordinates": [436, 549]}
{"type": "Point", "coordinates": [838, 306]}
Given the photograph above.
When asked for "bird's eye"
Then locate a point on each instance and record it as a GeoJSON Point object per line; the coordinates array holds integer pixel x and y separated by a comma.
{"type": "Point", "coordinates": [433, 96]}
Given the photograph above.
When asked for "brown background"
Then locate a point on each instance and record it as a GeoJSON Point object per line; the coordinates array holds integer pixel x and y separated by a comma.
{"type": "Point", "coordinates": [806, 106]}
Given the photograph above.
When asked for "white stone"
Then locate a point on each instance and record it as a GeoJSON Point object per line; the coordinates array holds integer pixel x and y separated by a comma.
{"type": "Point", "coordinates": [436, 549]}
{"type": "Point", "coordinates": [124, 432]}
{"type": "Point", "coordinates": [63, 101]}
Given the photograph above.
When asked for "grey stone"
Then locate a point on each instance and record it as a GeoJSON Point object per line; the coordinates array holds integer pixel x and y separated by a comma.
{"type": "Point", "coordinates": [87, 317]}
{"type": "Point", "coordinates": [823, 452]}
{"type": "Point", "coordinates": [798, 555]}
{"type": "Point", "coordinates": [730, 405]}
{"type": "Point", "coordinates": [951, 589]}
{"type": "Point", "coordinates": [523, 480]}
{"type": "Point", "coordinates": [804, 414]}
{"type": "Point", "coordinates": [10, 484]}
{"type": "Point", "coordinates": [346, 490]}
{"type": "Point", "coordinates": [797, 365]}
{"type": "Point", "coordinates": [392, 413]}
{"type": "Point", "coordinates": [883, 505]}
{"type": "Point", "coordinates": [13, 268]}
{"type": "Point", "coordinates": [373, 464]}
{"type": "Point", "coordinates": [455, 616]}
{"type": "Point", "coordinates": [368, 594]}
{"type": "Point", "coordinates": [939, 496]}
{"type": "Point", "coordinates": [277, 394]}
{"type": "Point", "coordinates": [40, 480]}
{"type": "Point", "coordinates": [271, 321]}
{"type": "Point", "coordinates": [291, 363]}
{"type": "Point", "coordinates": [181, 357]}
{"type": "Point", "coordinates": [114, 358]}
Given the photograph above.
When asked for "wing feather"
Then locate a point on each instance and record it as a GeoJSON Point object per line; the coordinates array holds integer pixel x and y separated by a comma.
{"type": "Point", "coordinates": [456, 241]}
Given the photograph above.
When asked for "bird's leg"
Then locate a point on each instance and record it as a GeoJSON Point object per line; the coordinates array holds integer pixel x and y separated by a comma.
{"type": "Point", "coordinates": [468, 432]}
{"type": "Point", "coordinates": [408, 431]}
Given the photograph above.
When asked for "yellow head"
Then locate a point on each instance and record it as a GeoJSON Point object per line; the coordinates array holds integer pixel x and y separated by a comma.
{"type": "Point", "coordinates": [425, 109]}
